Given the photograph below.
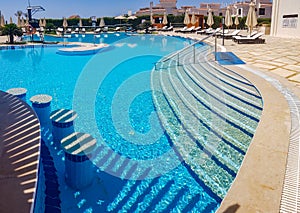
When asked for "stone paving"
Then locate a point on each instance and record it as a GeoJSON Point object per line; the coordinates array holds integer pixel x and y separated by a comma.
{"type": "Point", "coordinates": [280, 56]}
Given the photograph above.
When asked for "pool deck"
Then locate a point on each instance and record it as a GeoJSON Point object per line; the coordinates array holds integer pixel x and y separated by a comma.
{"type": "Point", "coordinates": [258, 186]}
{"type": "Point", "coordinates": [19, 153]}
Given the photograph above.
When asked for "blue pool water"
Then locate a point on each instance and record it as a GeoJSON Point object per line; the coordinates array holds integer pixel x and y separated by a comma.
{"type": "Point", "coordinates": [137, 168]}
{"type": "Point", "coordinates": [86, 38]}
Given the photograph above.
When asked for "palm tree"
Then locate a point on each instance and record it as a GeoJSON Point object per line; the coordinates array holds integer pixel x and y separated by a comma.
{"type": "Point", "coordinates": [11, 30]}
{"type": "Point", "coordinates": [19, 13]}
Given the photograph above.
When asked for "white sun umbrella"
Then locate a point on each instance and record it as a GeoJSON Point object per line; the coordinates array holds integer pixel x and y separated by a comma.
{"type": "Point", "coordinates": [10, 20]}
{"type": "Point", "coordinates": [65, 22]}
{"type": "Point", "coordinates": [151, 18]}
{"type": "Point", "coordinates": [120, 18]}
{"type": "Point", "coordinates": [236, 21]}
{"type": "Point", "coordinates": [102, 23]}
{"type": "Point", "coordinates": [41, 22]}
{"type": "Point", "coordinates": [19, 21]}
{"type": "Point", "coordinates": [210, 19]}
{"type": "Point", "coordinates": [80, 23]}
{"type": "Point", "coordinates": [22, 22]}
{"type": "Point", "coordinates": [27, 22]}
{"type": "Point", "coordinates": [165, 19]}
{"type": "Point", "coordinates": [228, 18]}
{"type": "Point", "coordinates": [186, 20]}
{"type": "Point", "coordinates": [193, 19]}
{"type": "Point", "coordinates": [44, 22]}
{"type": "Point", "coordinates": [251, 20]}
{"type": "Point", "coordinates": [132, 17]}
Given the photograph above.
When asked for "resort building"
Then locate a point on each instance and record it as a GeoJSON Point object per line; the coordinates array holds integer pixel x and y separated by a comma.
{"type": "Point", "coordinates": [168, 6]}
{"type": "Point", "coordinates": [285, 18]}
{"type": "Point", "coordinates": [263, 8]}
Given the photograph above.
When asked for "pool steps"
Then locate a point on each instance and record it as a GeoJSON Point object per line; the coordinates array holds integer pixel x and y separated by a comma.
{"type": "Point", "coordinates": [183, 89]}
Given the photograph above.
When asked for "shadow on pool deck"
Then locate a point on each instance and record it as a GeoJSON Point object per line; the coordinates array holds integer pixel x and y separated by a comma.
{"type": "Point", "coordinates": [19, 152]}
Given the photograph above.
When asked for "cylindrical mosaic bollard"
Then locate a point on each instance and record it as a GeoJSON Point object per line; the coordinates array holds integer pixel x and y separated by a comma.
{"type": "Point", "coordinates": [78, 148]}
{"type": "Point", "coordinates": [18, 92]}
{"type": "Point", "coordinates": [41, 105]}
{"type": "Point", "coordinates": [62, 124]}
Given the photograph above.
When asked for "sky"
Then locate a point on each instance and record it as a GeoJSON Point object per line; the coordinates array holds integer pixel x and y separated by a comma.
{"type": "Point", "coordinates": [86, 8]}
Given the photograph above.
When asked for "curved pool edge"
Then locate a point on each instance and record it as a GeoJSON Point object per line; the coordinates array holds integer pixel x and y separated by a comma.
{"type": "Point", "coordinates": [19, 154]}
{"type": "Point", "coordinates": [258, 185]}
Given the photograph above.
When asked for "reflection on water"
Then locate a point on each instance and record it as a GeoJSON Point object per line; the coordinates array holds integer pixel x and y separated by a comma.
{"type": "Point", "coordinates": [19, 54]}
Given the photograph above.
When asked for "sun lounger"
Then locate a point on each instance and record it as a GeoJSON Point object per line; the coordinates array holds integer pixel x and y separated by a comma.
{"type": "Point", "coordinates": [197, 29]}
{"type": "Point", "coordinates": [189, 30]}
{"type": "Point", "coordinates": [69, 30]}
{"type": "Point", "coordinates": [230, 35]}
{"type": "Point", "coordinates": [117, 29]}
{"type": "Point", "coordinates": [97, 31]}
{"type": "Point", "coordinates": [250, 39]}
{"type": "Point", "coordinates": [252, 34]}
{"type": "Point", "coordinates": [182, 29]}
{"type": "Point", "coordinates": [213, 31]}
{"type": "Point", "coordinates": [203, 31]}
{"type": "Point", "coordinates": [151, 29]}
{"type": "Point", "coordinates": [164, 28]}
{"type": "Point", "coordinates": [168, 29]}
{"type": "Point", "coordinates": [105, 29]}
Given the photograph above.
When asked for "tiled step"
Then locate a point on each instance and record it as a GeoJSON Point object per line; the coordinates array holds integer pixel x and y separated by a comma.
{"type": "Point", "coordinates": [178, 134]}
{"type": "Point", "coordinates": [193, 125]}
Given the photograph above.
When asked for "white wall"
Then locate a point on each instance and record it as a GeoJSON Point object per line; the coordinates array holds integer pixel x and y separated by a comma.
{"type": "Point", "coordinates": [286, 26]}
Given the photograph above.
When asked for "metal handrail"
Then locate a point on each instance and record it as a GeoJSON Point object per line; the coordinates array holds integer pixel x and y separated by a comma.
{"type": "Point", "coordinates": [187, 47]}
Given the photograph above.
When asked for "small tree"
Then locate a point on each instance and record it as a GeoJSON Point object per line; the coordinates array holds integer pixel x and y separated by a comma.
{"type": "Point", "coordinates": [11, 30]}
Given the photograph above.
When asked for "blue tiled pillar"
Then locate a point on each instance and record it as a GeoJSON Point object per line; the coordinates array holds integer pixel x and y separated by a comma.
{"type": "Point", "coordinates": [78, 148]}
{"type": "Point", "coordinates": [18, 92]}
{"type": "Point", "coordinates": [42, 106]}
{"type": "Point", "coordinates": [62, 124]}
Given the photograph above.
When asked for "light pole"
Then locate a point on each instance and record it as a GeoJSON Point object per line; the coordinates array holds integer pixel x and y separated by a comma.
{"type": "Point", "coordinates": [223, 23]}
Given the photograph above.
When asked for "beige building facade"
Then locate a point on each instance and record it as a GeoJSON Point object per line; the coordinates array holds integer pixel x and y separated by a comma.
{"type": "Point", "coordinates": [285, 18]}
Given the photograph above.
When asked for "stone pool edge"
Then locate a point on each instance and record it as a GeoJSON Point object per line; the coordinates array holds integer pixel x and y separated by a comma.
{"type": "Point", "coordinates": [258, 184]}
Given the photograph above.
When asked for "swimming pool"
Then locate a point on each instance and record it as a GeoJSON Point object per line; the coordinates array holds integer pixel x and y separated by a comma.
{"type": "Point", "coordinates": [86, 38]}
{"type": "Point", "coordinates": [139, 164]}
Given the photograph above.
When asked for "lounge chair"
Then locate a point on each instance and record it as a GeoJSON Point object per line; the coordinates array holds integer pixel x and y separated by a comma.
{"type": "Point", "coordinates": [203, 31]}
{"type": "Point", "coordinates": [69, 31]}
{"type": "Point", "coordinates": [105, 29]}
{"type": "Point", "coordinates": [182, 29]}
{"type": "Point", "coordinates": [213, 31]}
{"type": "Point", "coordinates": [59, 31]}
{"type": "Point", "coordinates": [76, 31]}
{"type": "Point", "coordinates": [255, 39]}
{"type": "Point", "coordinates": [164, 28]}
{"type": "Point", "coordinates": [117, 29]}
{"type": "Point", "coordinates": [168, 29]}
{"type": "Point", "coordinates": [197, 29]}
{"type": "Point", "coordinates": [237, 36]}
{"type": "Point", "coordinates": [151, 29]}
{"type": "Point", "coordinates": [188, 30]}
{"type": "Point", "coordinates": [97, 31]}
{"type": "Point", "coordinates": [231, 35]}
